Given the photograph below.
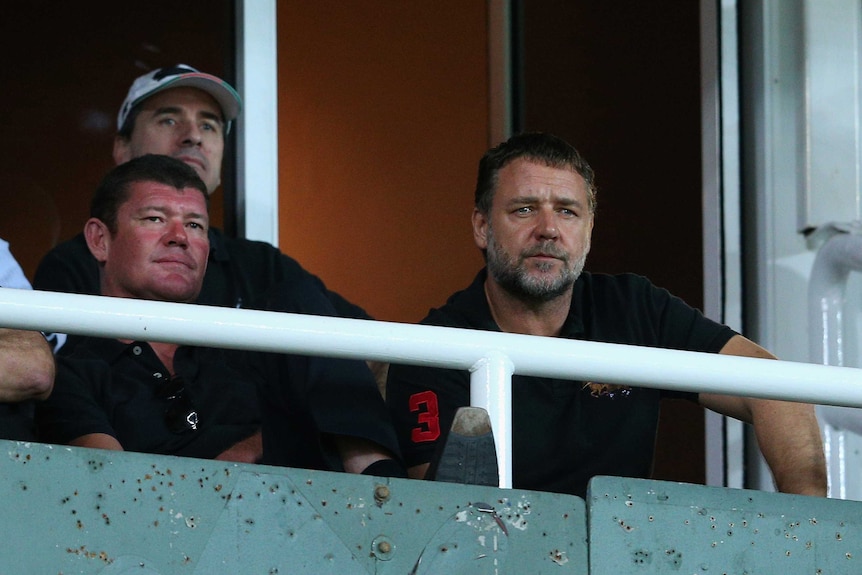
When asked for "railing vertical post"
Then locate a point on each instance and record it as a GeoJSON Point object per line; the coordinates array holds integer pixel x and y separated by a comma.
{"type": "Point", "coordinates": [491, 389]}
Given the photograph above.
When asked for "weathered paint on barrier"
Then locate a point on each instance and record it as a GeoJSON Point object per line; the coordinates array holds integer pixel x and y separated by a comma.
{"type": "Point", "coordinates": [83, 511]}
{"type": "Point", "coordinates": [656, 527]}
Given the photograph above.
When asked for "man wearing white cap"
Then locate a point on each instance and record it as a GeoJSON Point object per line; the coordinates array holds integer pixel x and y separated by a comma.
{"type": "Point", "coordinates": [181, 112]}
{"type": "Point", "coordinates": [178, 112]}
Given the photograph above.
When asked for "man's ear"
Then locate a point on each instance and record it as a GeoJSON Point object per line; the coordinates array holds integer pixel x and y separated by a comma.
{"type": "Point", "coordinates": [480, 229]}
{"type": "Point", "coordinates": [98, 238]}
{"type": "Point", "coordinates": [122, 150]}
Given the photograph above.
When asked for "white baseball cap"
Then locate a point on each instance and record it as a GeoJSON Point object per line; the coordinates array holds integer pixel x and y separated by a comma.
{"type": "Point", "coordinates": [174, 77]}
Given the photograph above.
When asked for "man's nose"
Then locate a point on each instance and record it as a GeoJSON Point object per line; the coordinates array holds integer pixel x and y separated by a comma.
{"type": "Point", "coordinates": [546, 225]}
{"type": "Point", "coordinates": [191, 134]}
{"type": "Point", "coordinates": [176, 235]}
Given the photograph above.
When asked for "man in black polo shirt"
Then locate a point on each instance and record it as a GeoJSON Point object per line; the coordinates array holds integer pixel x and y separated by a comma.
{"type": "Point", "coordinates": [533, 220]}
{"type": "Point", "coordinates": [181, 112]}
{"type": "Point", "coordinates": [148, 233]}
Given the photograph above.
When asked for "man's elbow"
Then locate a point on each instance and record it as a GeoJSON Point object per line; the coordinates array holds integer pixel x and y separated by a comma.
{"type": "Point", "coordinates": [36, 384]}
{"type": "Point", "coordinates": [40, 375]}
{"type": "Point", "coordinates": [808, 479]}
{"type": "Point", "coordinates": [42, 383]}
{"type": "Point", "coordinates": [26, 375]}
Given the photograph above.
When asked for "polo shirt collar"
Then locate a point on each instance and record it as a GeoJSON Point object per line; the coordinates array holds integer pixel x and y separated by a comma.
{"type": "Point", "coordinates": [109, 350]}
{"type": "Point", "coordinates": [112, 351]}
{"type": "Point", "coordinates": [472, 303]}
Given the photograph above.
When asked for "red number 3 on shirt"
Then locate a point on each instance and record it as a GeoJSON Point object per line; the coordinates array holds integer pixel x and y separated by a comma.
{"type": "Point", "coordinates": [428, 418]}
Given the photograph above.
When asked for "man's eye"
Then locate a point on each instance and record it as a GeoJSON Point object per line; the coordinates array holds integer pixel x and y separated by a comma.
{"type": "Point", "coordinates": [568, 213]}
{"type": "Point", "coordinates": [210, 127]}
{"type": "Point", "coordinates": [524, 210]}
{"type": "Point", "coordinates": [167, 122]}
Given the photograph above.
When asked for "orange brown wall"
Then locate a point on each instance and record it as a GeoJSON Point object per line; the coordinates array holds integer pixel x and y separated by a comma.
{"type": "Point", "coordinates": [382, 118]}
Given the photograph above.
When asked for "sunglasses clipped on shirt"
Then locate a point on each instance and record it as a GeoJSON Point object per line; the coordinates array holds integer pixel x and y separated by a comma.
{"type": "Point", "coordinates": [180, 413]}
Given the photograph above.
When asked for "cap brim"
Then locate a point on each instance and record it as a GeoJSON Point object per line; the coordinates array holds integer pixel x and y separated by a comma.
{"type": "Point", "coordinates": [223, 93]}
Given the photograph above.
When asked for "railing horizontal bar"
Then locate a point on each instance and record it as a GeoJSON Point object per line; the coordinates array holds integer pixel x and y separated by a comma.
{"type": "Point", "coordinates": [427, 345]}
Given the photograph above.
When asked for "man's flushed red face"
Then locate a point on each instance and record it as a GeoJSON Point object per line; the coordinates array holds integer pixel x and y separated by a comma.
{"type": "Point", "coordinates": [160, 246]}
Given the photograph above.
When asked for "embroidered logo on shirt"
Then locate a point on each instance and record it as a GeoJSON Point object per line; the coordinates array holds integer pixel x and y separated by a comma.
{"type": "Point", "coordinates": [609, 390]}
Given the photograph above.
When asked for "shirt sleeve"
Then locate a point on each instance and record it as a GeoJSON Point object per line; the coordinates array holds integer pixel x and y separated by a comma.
{"type": "Point", "coordinates": [73, 409]}
{"type": "Point", "coordinates": [11, 274]}
{"type": "Point", "coordinates": [686, 328]}
{"type": "Point", "coordinates": [422, 402]}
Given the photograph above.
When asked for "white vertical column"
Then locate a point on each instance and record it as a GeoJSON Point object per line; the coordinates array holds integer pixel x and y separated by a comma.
{"type": "Point", "coordinates": [491, 389]}
{"type": "Point", "coordinates": [257, 126]}
{"type": "Point", "coordinates": [722, 259]}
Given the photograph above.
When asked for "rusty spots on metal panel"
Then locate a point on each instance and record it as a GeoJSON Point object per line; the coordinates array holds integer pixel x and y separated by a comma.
{"type": "Point", "coordinates": [83, 552]}
{"type": "Point", "coordinates": [622, 523]}
{"type": "Point", "coordinates": [559, 557]}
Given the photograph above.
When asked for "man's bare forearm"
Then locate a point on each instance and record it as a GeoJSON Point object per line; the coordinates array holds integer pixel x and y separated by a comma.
{"type": "Point", "coordinates": [249, 450]}
{"type": "Point", "coordinates": [789, 438]}
{"type": "Point", "coordinates": [26, 366]}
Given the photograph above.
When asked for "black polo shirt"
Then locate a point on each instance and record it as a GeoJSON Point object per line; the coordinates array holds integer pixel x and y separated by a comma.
{"type": "Point", "coordinates": [114, 388]}
{"type": "Point", "coordinates": [565, 432]}
{"type": "Point", "coordinates": [16, 421]}
{"type": "Point", "coordinates": [297, 401]}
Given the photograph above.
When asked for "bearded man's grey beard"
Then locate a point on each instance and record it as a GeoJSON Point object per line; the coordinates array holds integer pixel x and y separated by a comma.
{"type": "Point", "coordinates": [514, 277]}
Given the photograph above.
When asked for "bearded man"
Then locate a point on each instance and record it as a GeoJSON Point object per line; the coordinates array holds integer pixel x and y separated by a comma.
{"type": "Point", "coordinates": [533, 219]}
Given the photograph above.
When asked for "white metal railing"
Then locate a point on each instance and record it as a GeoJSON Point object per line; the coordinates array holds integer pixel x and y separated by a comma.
{"type": "Point", "coordinates": [491, 358]}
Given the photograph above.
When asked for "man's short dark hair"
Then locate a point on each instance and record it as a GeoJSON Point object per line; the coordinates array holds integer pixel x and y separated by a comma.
{"type": "Point", "coordinates": [536, 147]}
{"type": "Point", "coordinates": [115, 187]}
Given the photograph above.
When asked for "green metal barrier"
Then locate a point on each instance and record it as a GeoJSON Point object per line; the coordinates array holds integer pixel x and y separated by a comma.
{"type": "Point", "coordinates": [70, 511]}
{"type": "Point", "coordinates": [83, 511]}
{"type": "Point", "coordinates": [651, 527]}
